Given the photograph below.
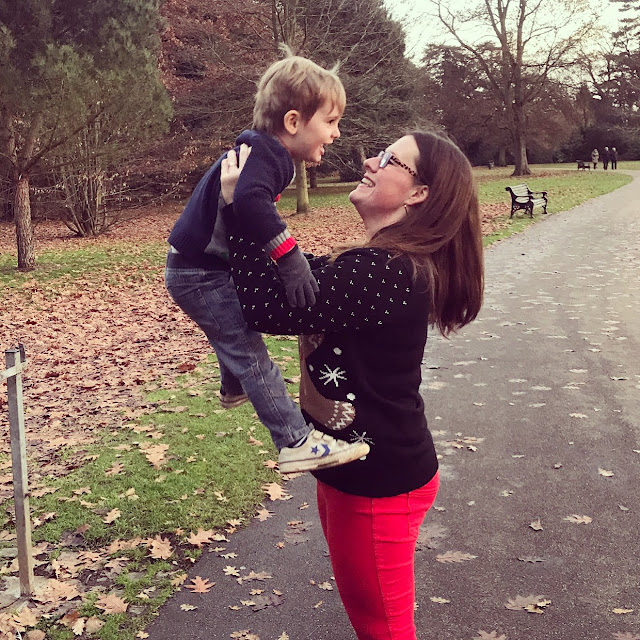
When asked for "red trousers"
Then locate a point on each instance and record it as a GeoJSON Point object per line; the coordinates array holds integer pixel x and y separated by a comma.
{"type": "Point", "coordinates": [372, 545]}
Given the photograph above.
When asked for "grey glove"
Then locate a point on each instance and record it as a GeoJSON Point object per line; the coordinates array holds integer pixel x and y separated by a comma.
{"type": "Point", "coordinates": [299, 283]}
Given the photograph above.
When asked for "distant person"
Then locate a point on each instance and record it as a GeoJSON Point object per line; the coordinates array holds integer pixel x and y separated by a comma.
{"type": "Point", "coordinates": [297, 110]}
{"type": "Point", "coordinates": [614, 158]}
{"type": "Point", "coordinates": [362, 345]}
{"type": "Point", "coordinates": [594, 158]}
{"type": "Point", "coordinates": [606, 156]}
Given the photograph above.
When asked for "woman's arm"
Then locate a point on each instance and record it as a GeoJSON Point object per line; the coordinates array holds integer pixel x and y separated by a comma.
{"type": "Point", "coordinates": [361, 288]}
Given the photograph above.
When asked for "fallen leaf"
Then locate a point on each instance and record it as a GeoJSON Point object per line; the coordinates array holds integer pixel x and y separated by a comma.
{"type": "Point", "coordinates": [622, 611]}
{"type": "Point", "coordinates": [115, 469]}
{"type": "Point", "coordinates": [252, 575]}
{"type": "Point", "coordinates": [160, 548]}
{"type": "Point", "coordinates": [188, 607]}
{"type": "Point", "coordinates": [439, 600]}
{"type": "Point", "coordinates": [93, 625]}
{"type": "Point", "coordinates": [483, 635]}
{"type": "Point", "coordinates": [179, 579]}
{"type": "Point", "coordinates": [200, 585]}
{"type": "Point", "coordinates": [25, 618]}
{"type": "Point", "coordinates": [275, 491]}
{"type": "Point", "coordinates": [111, 604]}
{"type": "Point", "coordinates": [230, 571]}
{"type": "Point", "coordinates": [578, 519]}
{"type": "Point", "coordinates": [536, 525]}
{"type": "Point", "coordinates": [200, 538]}
{"type": "Point", "coordinates": [605, 473]}
{"type": "Point", "coordinates": [263, 514]}
{"type": "Point", "coordinates": [454, 556]}
{"type": "Point", "coordinates": [112, 516]}
{"type": "Point", "coordinates": [266, 600]}
{"type": "Point", "coordinates": [532, 604]}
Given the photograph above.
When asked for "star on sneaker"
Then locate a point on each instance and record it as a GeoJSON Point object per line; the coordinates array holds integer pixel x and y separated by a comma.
{"type": "Point", "coordinates": [320, 451]}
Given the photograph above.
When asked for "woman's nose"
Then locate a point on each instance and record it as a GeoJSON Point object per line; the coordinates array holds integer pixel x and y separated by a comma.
{"type": "Point", "coordinates": [371, 164]}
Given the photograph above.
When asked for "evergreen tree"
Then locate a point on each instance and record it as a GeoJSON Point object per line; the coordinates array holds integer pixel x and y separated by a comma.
{"type": "Point", "coordinates": [66, 65]}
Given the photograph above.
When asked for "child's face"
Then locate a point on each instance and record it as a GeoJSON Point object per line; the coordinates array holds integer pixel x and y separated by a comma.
{"type": "Point", "coordinates": [310, 139]}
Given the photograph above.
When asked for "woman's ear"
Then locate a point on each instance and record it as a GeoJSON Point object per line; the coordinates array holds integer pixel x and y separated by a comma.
{"type": "Point", "coordinates": [419, 194]}
{"type": "Point", "coordinates": [291, 120]}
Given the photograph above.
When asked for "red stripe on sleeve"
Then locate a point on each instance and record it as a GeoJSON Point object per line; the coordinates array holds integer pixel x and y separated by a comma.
{"type": "Point", "coordinates": [283, 248]}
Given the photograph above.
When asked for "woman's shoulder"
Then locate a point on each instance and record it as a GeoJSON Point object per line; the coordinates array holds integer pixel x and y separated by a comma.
{"type": "Point", "coordinates": [381, 268]}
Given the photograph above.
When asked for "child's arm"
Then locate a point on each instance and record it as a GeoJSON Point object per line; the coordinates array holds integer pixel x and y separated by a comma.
{"type": "Point", "coordinates": [265, 174]}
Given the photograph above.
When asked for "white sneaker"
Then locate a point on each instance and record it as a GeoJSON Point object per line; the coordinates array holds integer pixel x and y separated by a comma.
{"type": "Point", "coordinates": [320, 451]}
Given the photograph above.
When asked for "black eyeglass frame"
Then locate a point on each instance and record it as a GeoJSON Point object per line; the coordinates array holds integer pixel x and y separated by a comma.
{"type": "Point", "coordinates": [386, 157]}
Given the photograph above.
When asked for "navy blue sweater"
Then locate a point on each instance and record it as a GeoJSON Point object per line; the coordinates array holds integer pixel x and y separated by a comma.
{"type": "Point", "coordinates": [198, 234]}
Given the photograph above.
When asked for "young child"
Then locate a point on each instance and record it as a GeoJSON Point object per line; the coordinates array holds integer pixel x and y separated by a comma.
{"type": "Point", "coordinates": [297, 110]}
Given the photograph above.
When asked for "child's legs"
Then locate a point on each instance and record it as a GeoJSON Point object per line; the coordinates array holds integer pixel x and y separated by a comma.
{"type": "Point", "coordinates": [209, 299]}
{"type": "Point", "coordinates": [372, 545]}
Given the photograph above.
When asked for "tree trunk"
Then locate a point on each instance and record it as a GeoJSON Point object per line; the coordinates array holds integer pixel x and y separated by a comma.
{"type": "Point", "coordinates": [313, 177]}
{"type": "Point", "coordinates": [24, 228]}
{"type": "Point", "coordinates": [520, 142]}
{"type": "Point", "coordinates": [8, 160]}
{"type": "Point", "coordinates": [520, 157]}
{"type": "Point", "coordinates": [302, 192]}
{"type": "Point", "coordinates": [502, 157]}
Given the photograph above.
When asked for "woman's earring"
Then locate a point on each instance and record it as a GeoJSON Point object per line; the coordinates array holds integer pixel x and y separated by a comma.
{"type": "Point", "coordinates": [406, 209]}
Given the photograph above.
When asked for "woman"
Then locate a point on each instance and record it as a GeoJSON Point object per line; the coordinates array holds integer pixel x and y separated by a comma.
{"type": "Point", "coordinates": [360, 354]}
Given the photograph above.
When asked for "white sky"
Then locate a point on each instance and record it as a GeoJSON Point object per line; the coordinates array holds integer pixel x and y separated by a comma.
{"type": "Point", "coordinates": [421, 32]}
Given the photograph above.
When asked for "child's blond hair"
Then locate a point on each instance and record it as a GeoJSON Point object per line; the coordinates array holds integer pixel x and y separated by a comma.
{"type": "Point", "coordinates": [295, 83]}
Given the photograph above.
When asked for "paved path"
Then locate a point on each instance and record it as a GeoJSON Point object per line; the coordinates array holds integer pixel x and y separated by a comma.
{"type": "Point", "coordinates": [527, 406]}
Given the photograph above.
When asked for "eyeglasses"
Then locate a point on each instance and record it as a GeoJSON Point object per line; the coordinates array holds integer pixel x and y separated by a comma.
{"type": "Point", "coordinates": [386, 157]}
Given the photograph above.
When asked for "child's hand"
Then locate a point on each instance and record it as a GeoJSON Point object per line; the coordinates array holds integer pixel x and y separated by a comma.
{"type": "Point", "coordinates": [230, 171]}
{"type": "Point", "coordinates": [299, 283]}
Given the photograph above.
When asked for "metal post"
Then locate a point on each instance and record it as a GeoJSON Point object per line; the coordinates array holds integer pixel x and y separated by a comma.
{"type": "Point", "coordinates": [15, 359]}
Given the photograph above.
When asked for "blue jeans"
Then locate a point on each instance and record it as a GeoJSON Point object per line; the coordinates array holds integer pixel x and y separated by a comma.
{"type": "Point", "coordinates": [209, 298]}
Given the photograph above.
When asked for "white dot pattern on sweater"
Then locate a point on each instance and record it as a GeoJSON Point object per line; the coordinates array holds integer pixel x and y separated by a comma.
{"type": "Point", "coordinates": [357, 279]}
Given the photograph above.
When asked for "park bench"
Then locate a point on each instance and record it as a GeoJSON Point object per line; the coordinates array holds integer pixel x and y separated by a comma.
{"type": "Point", "coordinates": [523, 198]}
{"type": "Point", "coordinates": [584, 165]}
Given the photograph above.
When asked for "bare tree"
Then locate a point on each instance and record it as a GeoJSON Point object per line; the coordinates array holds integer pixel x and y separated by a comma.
{"type": "Point", "coordinates": [523, 43]}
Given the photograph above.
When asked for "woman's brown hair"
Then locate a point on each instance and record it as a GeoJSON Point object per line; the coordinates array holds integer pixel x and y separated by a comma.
{"type": "Point", "coordinates": [442, 236]}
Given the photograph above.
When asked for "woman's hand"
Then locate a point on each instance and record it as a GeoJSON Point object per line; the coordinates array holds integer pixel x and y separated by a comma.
{"type": "Point", "coordinates": [230, 171]}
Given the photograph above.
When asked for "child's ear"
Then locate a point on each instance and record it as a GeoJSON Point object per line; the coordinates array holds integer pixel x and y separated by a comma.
{"type": "Point", "coordinates": [291, 121]}
{"type": "Point", "coordinates": [420, 194]}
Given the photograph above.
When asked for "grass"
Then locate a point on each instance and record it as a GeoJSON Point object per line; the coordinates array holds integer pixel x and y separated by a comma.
{"type": "Point", "coordinates": [64, 266]}
{"type": "Point", "coordinates": [211, 474]}
{"type": "Point", "coordinates": [213, 470]}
